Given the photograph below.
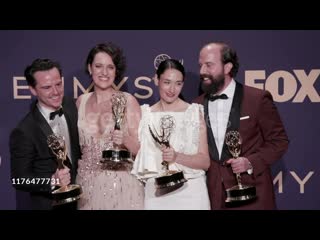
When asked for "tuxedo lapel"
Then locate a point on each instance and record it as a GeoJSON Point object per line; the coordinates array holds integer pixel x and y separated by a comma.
{"type": "Point", "coordinates": [44, 126]}
{"type": "Point", "coordinates": [40, 120]}
{"type": "Point", "coordinates": [213, 151]}
{"type": "Point", "coordinates": [234, 118]}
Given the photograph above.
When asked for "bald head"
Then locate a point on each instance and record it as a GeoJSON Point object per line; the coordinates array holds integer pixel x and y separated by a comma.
{"type": "Point", "coordinates": [218, 65]}
{"type": "Point", "coordinates": [222, 52]}
{"type": "Point", "coordinates": [212, 46]}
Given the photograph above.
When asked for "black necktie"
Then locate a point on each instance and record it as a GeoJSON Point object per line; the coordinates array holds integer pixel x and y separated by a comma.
{"type": "Point", "coordinates": [58, 112]}
{"type": "Point", "coordinates": [215, 97]}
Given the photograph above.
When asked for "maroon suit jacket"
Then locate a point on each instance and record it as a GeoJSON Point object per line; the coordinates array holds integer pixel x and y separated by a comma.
{"type": "Point", "coordinates": [264, 141]}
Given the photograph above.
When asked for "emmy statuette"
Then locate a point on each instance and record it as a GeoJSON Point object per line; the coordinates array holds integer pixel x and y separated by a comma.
{"type": "Point", "coordinates": [71, 192]}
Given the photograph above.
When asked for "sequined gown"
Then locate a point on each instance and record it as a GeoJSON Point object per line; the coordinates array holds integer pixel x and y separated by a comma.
{"type": "Point", "coordinates": [103, 189]}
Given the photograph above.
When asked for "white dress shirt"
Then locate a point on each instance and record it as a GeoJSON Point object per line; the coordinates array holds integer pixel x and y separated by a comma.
{"type": "Point", "coordinates": [58, 125]}
{"type": "Point", "coordinates": [219, 111]}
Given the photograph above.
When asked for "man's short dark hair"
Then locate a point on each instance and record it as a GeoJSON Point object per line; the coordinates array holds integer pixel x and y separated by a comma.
{"type": "Point", "coordinates": [37, 65]}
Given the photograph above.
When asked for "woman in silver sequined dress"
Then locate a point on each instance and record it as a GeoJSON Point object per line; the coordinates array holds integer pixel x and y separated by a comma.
{"type": "Point", "coordinates": [102, 188]}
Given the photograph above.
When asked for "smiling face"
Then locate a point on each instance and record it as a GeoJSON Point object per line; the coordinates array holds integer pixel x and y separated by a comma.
{"type": "Point", "coordinates": [103, 70]}
{"type": "Point", "coordinates": [212, 71]}
{"type": "Point", "coordinates": [49, 88]}
{"type": "Point", "coordinates": [170, 85]}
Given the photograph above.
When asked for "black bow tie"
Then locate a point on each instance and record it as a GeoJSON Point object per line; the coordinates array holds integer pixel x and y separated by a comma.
{"type": "Point", "coordinates": [58, 112]}
{"type": "Point", "coordinates": [215, 97]}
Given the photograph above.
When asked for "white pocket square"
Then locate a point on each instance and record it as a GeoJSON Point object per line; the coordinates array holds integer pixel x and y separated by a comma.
{"type": "Point", "coordinates": [245, 117]}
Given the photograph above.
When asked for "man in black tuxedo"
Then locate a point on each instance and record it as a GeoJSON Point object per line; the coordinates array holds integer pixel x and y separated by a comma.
{"type": "Point", "coordinates": [34, 167]}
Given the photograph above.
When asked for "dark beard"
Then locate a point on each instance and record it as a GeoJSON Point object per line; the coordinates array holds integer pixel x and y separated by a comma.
{"type": "Point", "coordinates": [216, 83]}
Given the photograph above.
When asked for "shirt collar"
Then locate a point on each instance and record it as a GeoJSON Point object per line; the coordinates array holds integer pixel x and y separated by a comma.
{"type": "Point", "coordinates": [230, 89]}
{"type": "Point", "coordinates": [45, 111]}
